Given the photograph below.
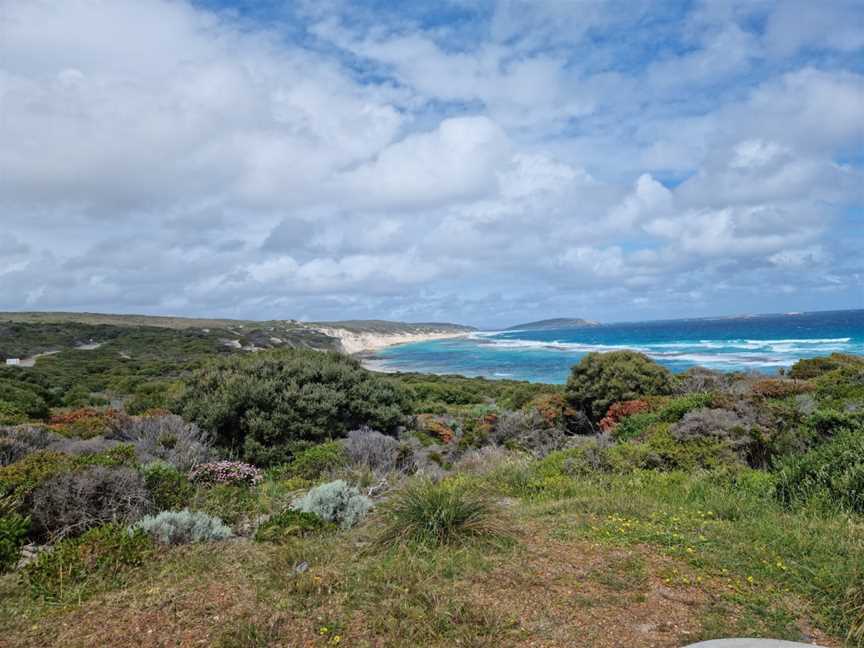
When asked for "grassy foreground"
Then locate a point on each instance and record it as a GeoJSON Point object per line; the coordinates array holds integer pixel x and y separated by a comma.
{"type": "Point", "coordinates": [646, 559]}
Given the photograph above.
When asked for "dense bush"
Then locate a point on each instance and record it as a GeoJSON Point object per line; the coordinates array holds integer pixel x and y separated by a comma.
{"type": "Point", "coordinates": [700, 380]}
{"type": "Point", "coordinates": [527, 430]}
{"type": "Point", "coordinates": [155, 395]}
{"type": "Point", "coordinates": [779, 388]}
{"type": "Point", "coordinates": [443, 513]}
{"type": "Point", "coordinates": [169, 489]}
{"type": "Point", "coordinates": [13, 533]}
{"type": "Point", "coordinates": [600, 379]}
{"type": "Point", "coordinates": [289, 524]}
{"type": "Point", "coordinates": [234, 473]}
{"type": "Point", "coordinates": [183, 527]}
{"type": "Point", "coordinates": [335, 502]}
{"type": "Point", "coordinates": [77, 566]}
{"type": "Point", "coordinates": [234, 505]}
{"type": "Point", "coordinates": [378, 452]}
{"type": "Point", "coordinates": [814, 367]}
{"type": "Point", "coordinates": [318, 461]}
{"type": "Point", "coordinates": [442, 394]}
{"type": "Point", "coordinates": [757, 431]}
{"type": "Point", "coordinates": [267, 399]}
{"type": "Point", "coordinates": [167, 438]}
{"type": "Point", "coordinates": [21, 401]}
{"type": "Point", "coordinates": [842, 389]}
{"type": "Point", "coordinates": [69, 504]}
{"type": "Point", "coordinates": [833, 471]}
{"type": "Point", "coordinates": [20, 479]}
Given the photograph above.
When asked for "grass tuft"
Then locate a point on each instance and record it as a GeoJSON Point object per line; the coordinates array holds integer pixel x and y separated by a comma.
{"type": "Point", "coordinates": [443, 513]}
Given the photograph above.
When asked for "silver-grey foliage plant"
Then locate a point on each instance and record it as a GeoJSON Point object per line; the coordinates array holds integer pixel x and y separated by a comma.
{"type": "Point", "coordinates": [168, 438]}
{"type": "Point", "coordinates": [378, 452]}
{"type": "Point", "coordinates": [183, 527]}
{"type": "Point", "coordinates": [335, 502]}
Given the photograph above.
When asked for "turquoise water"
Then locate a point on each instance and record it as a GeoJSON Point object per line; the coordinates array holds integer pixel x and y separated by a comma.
{"type": "Point", "coordinates": [762, 343]}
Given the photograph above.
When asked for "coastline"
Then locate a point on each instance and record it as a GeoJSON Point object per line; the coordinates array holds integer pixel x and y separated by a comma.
{"type": "Point", "coordinates": [355, 343]}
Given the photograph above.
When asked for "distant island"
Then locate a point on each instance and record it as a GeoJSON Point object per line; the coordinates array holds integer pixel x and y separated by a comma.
{"type": "Point", "coordinates": [553, 324]}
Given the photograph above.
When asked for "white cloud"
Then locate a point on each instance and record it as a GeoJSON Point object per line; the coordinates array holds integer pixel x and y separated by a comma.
{"type": "Point", "coordinates": [156, 155]}
{"type": "Point", "coordinates": [457, 161]}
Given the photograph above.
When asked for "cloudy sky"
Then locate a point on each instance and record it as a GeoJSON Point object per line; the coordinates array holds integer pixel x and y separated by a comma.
{"type": "Point", "coordinates": [477, 162]}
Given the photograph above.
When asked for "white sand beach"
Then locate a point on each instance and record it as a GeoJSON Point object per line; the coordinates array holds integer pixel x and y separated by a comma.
{"type": "Point", "coordinates": [354, 342]}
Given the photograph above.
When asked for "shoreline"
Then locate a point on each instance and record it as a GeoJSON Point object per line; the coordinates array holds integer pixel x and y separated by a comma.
{"type": "Point", "coordinates": [358, 344]}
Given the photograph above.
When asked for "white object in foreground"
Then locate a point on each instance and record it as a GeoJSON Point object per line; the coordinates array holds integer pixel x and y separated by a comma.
{"type": "Point", "coordinates": [750, 643]}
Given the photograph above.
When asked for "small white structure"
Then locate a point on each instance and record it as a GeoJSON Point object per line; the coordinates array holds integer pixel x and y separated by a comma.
{"type": "Point", "coordinates": [13, 361]}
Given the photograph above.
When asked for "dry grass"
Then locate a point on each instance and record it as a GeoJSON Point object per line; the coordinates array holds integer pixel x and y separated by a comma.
{"type": "Point", "coordinates": [550, 589]}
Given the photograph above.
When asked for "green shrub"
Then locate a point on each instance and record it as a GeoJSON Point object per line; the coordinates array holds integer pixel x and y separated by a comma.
{"type": "Point", "coordinates": [232, 504]}
{"type": "Point", "coordinates": [601, 379]}
{"type": "Point", "coordinates": [335, 502]}
{"type": "Point", "coordinates": [810, 368]}
{"type": "Point", "coordinates": [443, 513]}
{"type": "Point", "coordinates": [13, 533]}
{"type": "Point", "coordinates": [120, 455]}
{"type": "Point", "coordinates": [77, 567]}
{"type": "Point", "coordinates": [637, 426]}
{"type": "Point", "coordinates": [156, 395]}
{"type": "Point", "coordinates": [833, 472]}
{"type": "Point", "coordinates": [274, 398]}
{"type": "Point", "coordinates": [854, 609]}
{"type": "Point", "coordinates": [826, 423]}
{"type": "Point", "coordinates": [12, 414]}
{"type": "Point", "coordinates": [169, 489]}
{"type": "Point", "coordinates": [21, 478]}
{"type": "Point", "coordinates": [675, 409]}
{"type": "Point", "coordinates": [317, 461]}
{"type": "Point", "coordinates": [842, 387]}
{"type": "Point", "coordinates": [183, 527]}
{"type": "Point", "coordinates": [634, 426]}
{"type": "Point", "coordinates": [289, 524]}
{"type": "Point", "coordinates": [23, 398]}
{"type": "Point", "coordinates": [670, 453]}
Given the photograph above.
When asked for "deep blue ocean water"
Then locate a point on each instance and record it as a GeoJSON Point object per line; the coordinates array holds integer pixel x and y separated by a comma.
{"type": "Point", "coordinates": [763, 343]}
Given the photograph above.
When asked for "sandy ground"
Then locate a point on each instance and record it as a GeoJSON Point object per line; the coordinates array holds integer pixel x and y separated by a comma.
{"type": "Point", "coordinates": [366, 342]}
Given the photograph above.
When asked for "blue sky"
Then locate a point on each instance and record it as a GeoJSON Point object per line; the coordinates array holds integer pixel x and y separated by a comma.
{"type": "Point", "coordinates": [482, 162]}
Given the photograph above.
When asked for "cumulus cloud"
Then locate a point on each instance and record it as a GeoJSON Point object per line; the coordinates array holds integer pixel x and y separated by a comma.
{"type": "Point", "coordinates": [606, 159]}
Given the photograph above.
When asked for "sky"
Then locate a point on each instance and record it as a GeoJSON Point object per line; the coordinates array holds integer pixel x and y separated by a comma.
{"type": "Point", "coordinates": [478, 162]}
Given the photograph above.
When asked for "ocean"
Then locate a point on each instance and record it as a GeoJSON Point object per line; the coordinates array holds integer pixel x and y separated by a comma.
{"type": "Point", "coordinates": [763, 343]}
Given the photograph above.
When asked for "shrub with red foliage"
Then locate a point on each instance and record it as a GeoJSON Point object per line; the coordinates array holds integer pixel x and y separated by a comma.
{"type": "Point", "coordinates": [620, 410]}
{"type": "Point", "coordinates": [780, 388]}
{"type": "Point", "coordinates": [553, 408]}
{"type": "Point", "coordinates": [84, 422]}
{"type": "Point", "coordinates": [486, 425]}
{"type": "Point", "coordinates": [435, 427]}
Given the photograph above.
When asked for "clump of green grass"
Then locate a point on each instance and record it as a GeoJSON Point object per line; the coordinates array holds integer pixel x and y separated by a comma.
{"type": "Point", "coordinates": [854, 611]}
{"type": "Point", "coordinates": [443, 513]}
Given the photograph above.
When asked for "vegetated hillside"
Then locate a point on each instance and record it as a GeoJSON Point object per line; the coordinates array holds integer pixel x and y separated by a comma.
{"type": "Point", "coordinates": [29, 333]}
{"type": "Point", "coordinates": [21, 338]}
{"type": "Point", "coordinates": [120, 320]}
{"type": "Point", "coordinates": [552, 324]}
{"type": "Point", "coordinates": [385, 327]}
{"type": "Point", "coordinates": [629, 507]}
